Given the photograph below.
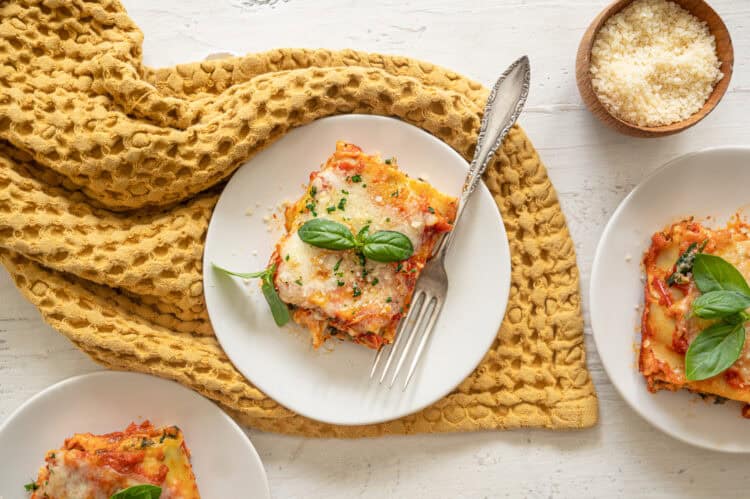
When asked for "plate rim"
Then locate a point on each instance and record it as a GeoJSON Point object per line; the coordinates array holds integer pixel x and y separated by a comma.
{"type": "Point", "coordinates": [506, 265]}
{"type": "Point", "coordinates": [72, 380]}
{"type": "Point", "coordinates": [595, 272]}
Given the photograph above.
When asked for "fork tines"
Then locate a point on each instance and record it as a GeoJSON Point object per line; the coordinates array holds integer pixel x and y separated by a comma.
{"type": "Point", "coordinates": [418, 323]}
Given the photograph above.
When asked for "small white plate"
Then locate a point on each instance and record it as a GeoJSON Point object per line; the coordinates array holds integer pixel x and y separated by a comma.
{"type": "Point", "coordinates": [224, 461]}
{"type": "Point", "coordinates": [332, 384]}
{"type": "Point", "coordinates": [710, 183]}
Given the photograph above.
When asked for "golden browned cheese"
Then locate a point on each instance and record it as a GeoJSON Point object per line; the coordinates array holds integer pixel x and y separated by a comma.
{"type": "Point", "coordinates": [667, 325]}
{"type": "Point", "coordinates": [97, 466]}
{"type": "Point", "coordinates": [336, 292]}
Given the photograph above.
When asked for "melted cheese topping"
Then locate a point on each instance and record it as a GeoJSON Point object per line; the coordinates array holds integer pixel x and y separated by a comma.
{"type": "Point", "coordinates": [668, 325]}
{"type": "Point", "coordinates": [71, 475]}
{"type": "Point", "coordinates": [338, 291]}
{"type": "Point", "coordinates": [97, 466]}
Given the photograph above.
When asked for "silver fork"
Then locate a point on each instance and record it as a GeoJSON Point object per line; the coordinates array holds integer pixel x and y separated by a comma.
{"type": "Point", "coordinates": [503, 107]}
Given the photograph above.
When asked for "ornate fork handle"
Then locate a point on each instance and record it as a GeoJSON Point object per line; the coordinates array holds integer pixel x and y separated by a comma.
{"type": "Point", "coordinates": [499, 116]}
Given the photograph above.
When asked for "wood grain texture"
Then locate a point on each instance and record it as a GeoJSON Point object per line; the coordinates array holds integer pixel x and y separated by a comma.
{"type": "Point", "coordinates": [724, 50]}
{"type": "Point", "coordinates": [592, 168]}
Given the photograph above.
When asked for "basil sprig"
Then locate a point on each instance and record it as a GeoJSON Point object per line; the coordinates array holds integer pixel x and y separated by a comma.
{"type": "Point", "coordinates": [381, 246]}
{"type": "Point", "coordinates": [726, 296]}
{"type": "Point", "coordinates": [138, 492]}
{"type": "Point", "coordinates": [719, 304]}
{"type": "Point", "coordinates": [714, 350]}
{"type": "Point", "coordinates": [387, 246]}
{"type": "Point", "coordinates": [279, 309]}
{"type": "Point", "coordinates": [713, 273]}
{"type": "Point", "coordinates": [325, 233]}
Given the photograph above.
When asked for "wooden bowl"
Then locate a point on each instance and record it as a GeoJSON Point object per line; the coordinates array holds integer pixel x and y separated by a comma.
{"type": "Point", "coordinates": [699, 9]}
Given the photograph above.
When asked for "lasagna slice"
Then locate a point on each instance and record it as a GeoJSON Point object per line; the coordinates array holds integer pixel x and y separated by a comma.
{"type": "Point", "coordinates": [668, 326]}
{"type": "Point", "coordinates": [99, 466]}
{"type": "Point", "coordinates": [342, 292]}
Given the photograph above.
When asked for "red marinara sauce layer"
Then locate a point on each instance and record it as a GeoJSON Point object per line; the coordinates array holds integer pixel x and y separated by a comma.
{"type": "Point", "coordinates": [340, 293]}
{"type": "Point", "coordinates": [667, 325]}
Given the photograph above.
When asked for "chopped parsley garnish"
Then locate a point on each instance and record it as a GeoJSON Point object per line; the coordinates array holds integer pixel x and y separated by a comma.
{"type": "Point", "coordinates": [145, 442]}
{"type": "Point", "coordinates": [342, 204]}
{"type": "Point", "coordinates": [311, 207]}
{"type": "Point", "coordinates": [338, 264]}
{"type": "Point", "coordinates": [394, 194]}
{"type": "Point", "coordinates": [389, 161]}
{"type": "Point", "coordinates": [362, 260]}
{"type": "Point", "coordinates": [364, 273]}
{"type": "Point", "coordinates": [298, 282]}
{"type": "Point", "coordinates": [343, 191]}
{"type": "Point", "coordinates": [399, 267]}
{"type": "Point", "coordinates": [413, 270]}
{"type": "Point", "coordinates": [356, 178]}
{"type": "Point", "coordinates": [364, 185]}
{"type": "Point", "coordinates": [388, 300]}
{"type": "Point", "coordinates": [286, 258]}
{"type": "Point", "coordinates": [431, 209]}
{"type": "Point", "coordinates": [375, 281]}
{"type": "Point", "coordinates": [387, 219]}
{"type": "Point", "coordinates": [356, 291]}
{"type": "Point", "coordinates": [313, 191]}
{"type": "Point", "coordinates": [331, 209]}
{"type": "Point", "coordinates": [340, 283]}
{"type": "Point", "coordinates": [31, 486]}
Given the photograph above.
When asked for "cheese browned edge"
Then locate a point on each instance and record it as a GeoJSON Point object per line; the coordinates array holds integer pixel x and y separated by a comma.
{"type": "Point", "coordinates": [333, 292]}
{"type": "Point", "coordinates": [93, 466]}
{"type": "Point", "coordinates": [668, 327]}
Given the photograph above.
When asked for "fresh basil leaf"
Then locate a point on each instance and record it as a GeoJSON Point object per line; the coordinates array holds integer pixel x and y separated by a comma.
{"type": "Point", "coordinates": [279, 309]}
{"type": "Point", "coordinates": [244, 275]}
{"type": "Point", "coordinates": [362, 234]}
{"type": "Point", "coordinates": [31, 486]}
{"type": "Point", "coordinates": [714, 350]}
{"type": "Point", "coordinates": [717, 304]}
{"type": "Point", "coordinates": [138, 492]}
{"type": "Point", "coordinates": [713, 273]}
{"type": "Point", "coordinates": [739, 317]}
{"type": "Point", "coordinates": [387, 246]}
{"type": "Point", "coordinates": [327, 234]}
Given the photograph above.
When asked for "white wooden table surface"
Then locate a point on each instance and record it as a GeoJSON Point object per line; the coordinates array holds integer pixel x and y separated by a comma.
{"type": "Point", "coordinates": [592, 168]}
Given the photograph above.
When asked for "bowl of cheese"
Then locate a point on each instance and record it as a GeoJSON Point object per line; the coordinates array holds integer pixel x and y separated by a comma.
{"type": "Point", "coordinates": [651, 68]}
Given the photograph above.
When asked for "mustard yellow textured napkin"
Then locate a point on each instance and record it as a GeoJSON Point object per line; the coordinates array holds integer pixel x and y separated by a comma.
{"type": "Point", "coordinates": [109, 171]}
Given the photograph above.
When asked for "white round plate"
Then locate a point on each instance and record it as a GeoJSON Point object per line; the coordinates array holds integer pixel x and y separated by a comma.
{"type": "Point", "coordinates": [332, 384]}
{"type": "Point", "coordinates": [710, 183]}
{"type": "Point", "coordinates": [224, 461]}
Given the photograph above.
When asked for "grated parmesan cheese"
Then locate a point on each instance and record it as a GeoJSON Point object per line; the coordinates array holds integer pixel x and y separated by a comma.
{"type": "Point", "coordinates": [654, 63]}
